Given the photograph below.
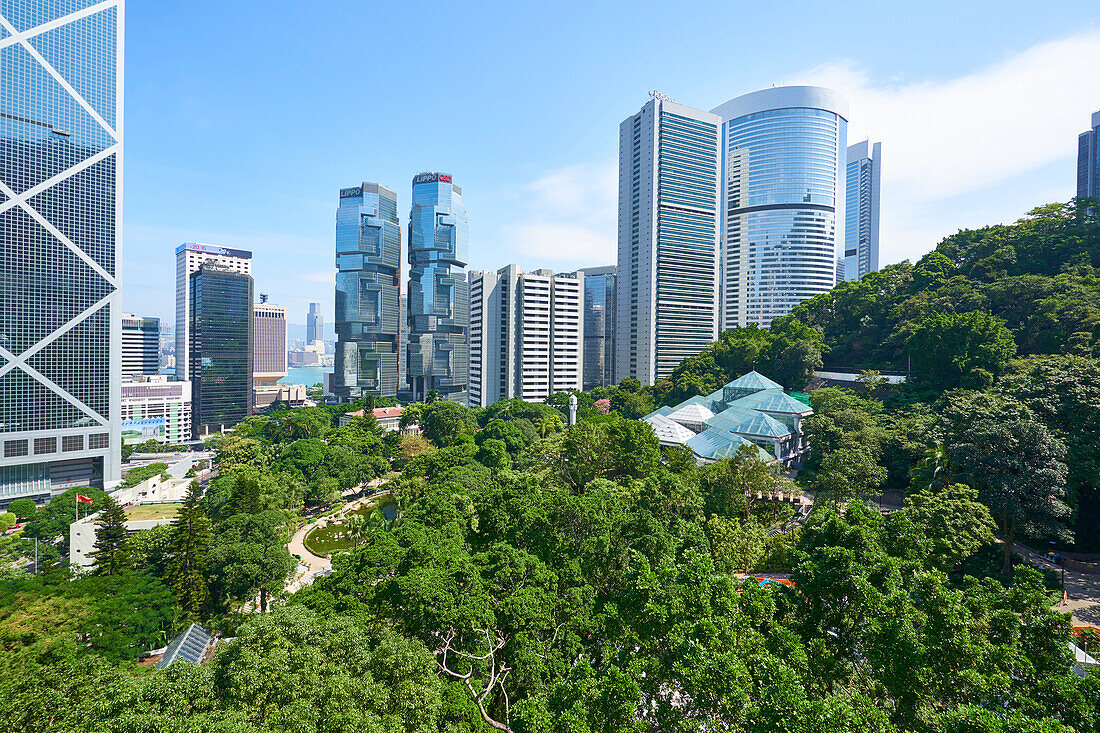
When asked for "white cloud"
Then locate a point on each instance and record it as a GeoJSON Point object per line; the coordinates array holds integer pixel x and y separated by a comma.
{"type": "Point", "coordinates": [566, 215]}
{"type": "Point", "coordinates": [964, 137]}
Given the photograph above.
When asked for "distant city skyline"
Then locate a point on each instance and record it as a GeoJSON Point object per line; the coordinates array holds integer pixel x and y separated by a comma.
{"type": "Point", "coordinates": [541, 175]}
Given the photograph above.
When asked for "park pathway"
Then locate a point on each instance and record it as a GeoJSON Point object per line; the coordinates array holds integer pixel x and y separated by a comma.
{"type": "Point", "coordinates": [310, 565]}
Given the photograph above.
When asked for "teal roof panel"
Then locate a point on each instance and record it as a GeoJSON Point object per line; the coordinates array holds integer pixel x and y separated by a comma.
{"type": "Point", "coordinates": [714, 444]}
{"type": "Point", "coordinates": [772, 400]}
{"type": "Point", "coordinates": [748, 422]}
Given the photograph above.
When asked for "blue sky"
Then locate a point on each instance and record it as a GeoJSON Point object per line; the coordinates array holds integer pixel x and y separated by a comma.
{"type": "Point", "coordinates": [243, 119]}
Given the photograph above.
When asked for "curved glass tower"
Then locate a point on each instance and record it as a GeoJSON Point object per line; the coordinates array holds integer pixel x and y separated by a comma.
{"type": "Point", "coordinates": [784, 152]}
{"type": "Point", "coordinates": [368, 293]}
{"type": "Point", "coordinates": [439, 309]}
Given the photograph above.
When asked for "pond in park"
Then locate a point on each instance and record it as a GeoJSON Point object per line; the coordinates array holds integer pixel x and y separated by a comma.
{"type": "Point", "coordinates": [333, 537]}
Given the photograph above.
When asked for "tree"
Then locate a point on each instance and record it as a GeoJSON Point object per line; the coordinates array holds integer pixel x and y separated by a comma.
{"type": "Point", "coordinates": [7, 519]}
{"type": "Point", "coordinates": [443, 421]}
{"type": "Point", "coordinates": [1017, 467]}
{"type": "Point", "coordinates": [23, 509]}
{"type": "Point", "coordinates": [736, 545]}
{"type": "Point", "coordinates": [112, 551]}
{"type": "Point", "coordinates": [1064, 393]}
{"type": "Point", "coordinates": [249, 555]}
{"type": "Point", "coordinates": [960, 350]}
{"type": "Point", "coordinates": [848, 472]}
{"type": "Point", "coordinates": [954, 520]}
{"type": "Point", "coordinates": [189, 554]}
{"type": "Point", "coordinates": [730, 485]}
{"type": "Point", "coordinates": [493, 454]}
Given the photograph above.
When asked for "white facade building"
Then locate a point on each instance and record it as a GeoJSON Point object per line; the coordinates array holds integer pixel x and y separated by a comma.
{"type": "Point", "coordinates": [151, 399]}
{"type": "Point", "coordinates": [784, 154]}
{"type": "Point", "coordinates": [268, 343]}
{"type": "Point", "coordinates": [863, 190]}
{"type": "Point", "coordinates": [526, 334]}
{"type": "Point", "coordinates": [189, 258]}
{"type": "Point", "coordinates": [666, 300]}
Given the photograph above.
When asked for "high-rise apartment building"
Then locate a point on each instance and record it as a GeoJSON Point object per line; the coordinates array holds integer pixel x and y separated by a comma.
{"type": "Point", "coordinates": [189, 258]}
{"type": "Point", "coordinates": [599, 326]}
{"type": "Point", "coordinates": [526, 334]}
{"type": "Point", "coordinates": [61, 109]}
{"type": "Point", "coordinates": [220, 358]}
{"type": "Point", "coordinates": [863, 185]}
{"type": "Point", "coordinates": [268, 343]}
{"type": "Point", "coordinates": [140, 345]}
{"type": "Point", "coordinates": [368, 293]}
{"type": "Point", "coordinates": [438, 291]}
{"type": "Point", "coordinates": [315, 322]}
{"type": "Point", "coordinates": [1088, 160]}
{"type": "Point", "coordinates": [784, 153]}
{"type": "Point", "coordinates": [668, 238]}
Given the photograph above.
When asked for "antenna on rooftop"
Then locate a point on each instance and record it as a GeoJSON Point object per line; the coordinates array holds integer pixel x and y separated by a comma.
{"type": "Point", "coordinates": [263, 297]}
{"type": "Point", "coordinates": [654, 94]}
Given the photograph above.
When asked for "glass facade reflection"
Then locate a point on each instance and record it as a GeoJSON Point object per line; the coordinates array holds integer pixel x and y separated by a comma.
{"type": "Point", "coordinates": [60, 197]}
{"type": "Point", "coordinates": [439, 306]}
{"type": "Point", "coordinates": [599, 326]}
{"type": "Point", "coordinates": [368, 292]}
{"type": "Point", "coordinates": [783, 164]}
{"type": "Point", "coordinates": [861, 224]}
{"type": "Point", "coordinates": [221, 348]}
{"type": "Point", "coordinates": [1088, 160]}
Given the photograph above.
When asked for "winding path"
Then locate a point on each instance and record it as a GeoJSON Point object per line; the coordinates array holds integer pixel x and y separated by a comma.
{"type": "Point", "coordinates": [314, 564]}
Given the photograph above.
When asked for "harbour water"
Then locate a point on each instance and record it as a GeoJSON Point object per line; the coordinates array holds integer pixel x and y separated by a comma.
{"type": "Point", "coordinates": [308, 376]}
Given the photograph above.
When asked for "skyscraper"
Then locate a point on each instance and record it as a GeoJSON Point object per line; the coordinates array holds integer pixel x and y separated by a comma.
{"type": "Point", "coordinates": [60, 216]}
{"type": "Point", "coordinates": [784, 152]}
{"type": "Point", "coordinates": [526, 334]}
{"type": "Point", "coordinates": [140, 345]}
{"type": "Point", "coordinates": [1088, 160]}
{"type": "Point", "coordinates": [220, 347]}
{"type": "Point", "coordinates": [438, 291]}
{"type": "Point", "coordinates": [863, 187]}
{"type": "Point", "coordinates": [668, 238]}
{"type": "Point", "coordinates": [368, 293]}
{"type": "Point", "coordinates": [189, 257]}
{"type": "Point", "coordinates": [268, 343]}
{"type": "Point", "coordinates": [315, 322]}
{"type": "Point", "coordinates": [599, 326]}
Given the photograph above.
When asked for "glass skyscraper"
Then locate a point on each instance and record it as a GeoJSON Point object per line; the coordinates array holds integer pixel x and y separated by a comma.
{"type": "Point", "coordinates": [439, 316]}
{"type": "Point", "coordinates": [221, 347]}
{"type": "Point", "coordinates": [863, 186]}
{"type": "Point", "coordinates": [368, 293]}
{"type": "Point", "coordinates": [1088, 160]}
{"type": "Point", "coordinates": [668, 238]}
{"type": "Point", "coordinates": [784, 152]}
{"type": "Point", "coordinates": [315, 322]}
{"type": "Point", "coordinates": [599, 326]}
{"type": "Point", "coordinates": [60, 209]}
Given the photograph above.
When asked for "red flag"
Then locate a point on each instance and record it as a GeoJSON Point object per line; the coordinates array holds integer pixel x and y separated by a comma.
{"type": "Point", "coordinates": [80, 499]}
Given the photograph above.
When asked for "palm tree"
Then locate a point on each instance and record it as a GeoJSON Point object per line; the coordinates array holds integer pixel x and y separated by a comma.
{"type": "Point", "coordinates": [376, 519]}
{"type": "Point", "coordinates": [401, 504]}
{"type": "Point", "coordinates": [356, 528]}
{"type": "Point", "coordinates": [932, 472]}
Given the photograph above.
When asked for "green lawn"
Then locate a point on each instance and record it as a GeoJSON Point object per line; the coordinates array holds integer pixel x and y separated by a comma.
{"type": "Point", "coordinates": [152, 511]}
{"type": "Point", "coordinates": [327, 540]}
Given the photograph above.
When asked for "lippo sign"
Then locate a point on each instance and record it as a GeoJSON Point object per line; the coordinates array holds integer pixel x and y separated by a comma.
{"type": "Point", "coordinates": [431, 178]}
